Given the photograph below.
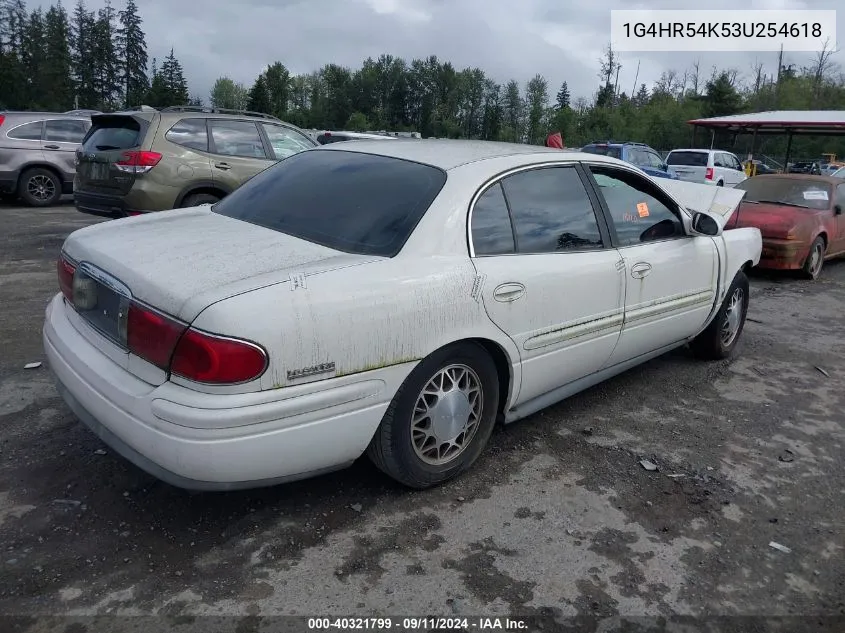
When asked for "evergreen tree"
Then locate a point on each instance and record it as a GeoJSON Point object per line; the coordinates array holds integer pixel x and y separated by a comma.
{"type": "Point", "coordinates": [107, 82]}
{"type": "Point", "coordinates": [33, 59]}
{"type": "Point", "coordinates": [174, 81]}
{"type": "Point", "coordinates": [277, 79]}
{"type": "Point", "coordinates": [84, 56]}
{"type": "Point", "coordinates": [258, 99]}
{"type": "Point", "coordinates": [13, 24]}
{"type": "Point", "coordinates": [563, 97]}
{"type": "Point", "coordinates": [58, 63]}
{"type": "Point", "coordinates": [132, 52]}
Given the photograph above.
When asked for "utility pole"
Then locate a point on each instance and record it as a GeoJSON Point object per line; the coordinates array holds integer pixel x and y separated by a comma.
{"type": "Point", "coordinates": [637, 76]}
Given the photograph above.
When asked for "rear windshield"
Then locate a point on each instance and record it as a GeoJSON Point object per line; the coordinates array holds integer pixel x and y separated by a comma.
{"type": "Point", "coordinates": [603, 150]}
{"type": "Point", "coordinates": [794, 192]}
{"type": "Point", "coordinates": [693, 159]}
{"type": "Point", "coordinates": [116, 132]}
{"type": "Point", "coordinates": [349, 201]}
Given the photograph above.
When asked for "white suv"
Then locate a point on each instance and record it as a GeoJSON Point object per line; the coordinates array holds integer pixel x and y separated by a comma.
{"type": "Point", "coordinates": [706, 166]}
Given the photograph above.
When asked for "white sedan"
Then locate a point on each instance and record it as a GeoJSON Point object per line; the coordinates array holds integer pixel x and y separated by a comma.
{"type": "Point", "coordinates": [397, 299]}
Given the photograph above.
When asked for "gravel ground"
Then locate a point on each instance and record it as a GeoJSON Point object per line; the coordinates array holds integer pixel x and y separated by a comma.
{"type": "Point", "coordinates": [557, 519]}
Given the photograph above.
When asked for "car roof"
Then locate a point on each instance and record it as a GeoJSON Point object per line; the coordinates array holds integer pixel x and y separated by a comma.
{"type": "Point", "coordinates": [703, 151]}
{"type": "Point", "coordinates": [448, 154]}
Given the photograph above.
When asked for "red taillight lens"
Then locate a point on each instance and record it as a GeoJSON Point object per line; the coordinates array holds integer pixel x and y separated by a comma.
{"type": "Point", "coordinates": [137, 162]}
{"type": "Point", "coordinates": [65, 270]}
{"type": "Point", "coordinates": [2, 119]}
{"type": "Point", "coordinates": [212, 359]}
{"type": "Point", "coordinates": [151, 335]}
{"type": "Point", "coordinates": [708, 173]}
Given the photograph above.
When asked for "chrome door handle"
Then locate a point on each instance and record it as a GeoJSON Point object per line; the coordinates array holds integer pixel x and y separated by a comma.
{"type": "Point", "coordinates": [223, 166]}
{"type": "Point", "coordinates": [52, 147]}
{"type": "Point", "coordinates": [638, 271]}
{"type": "Point", "coordinates": [508, 292]}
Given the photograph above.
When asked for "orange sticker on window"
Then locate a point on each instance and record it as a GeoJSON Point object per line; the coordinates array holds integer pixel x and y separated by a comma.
{"type": "Point", "coordinates": [642, 209]}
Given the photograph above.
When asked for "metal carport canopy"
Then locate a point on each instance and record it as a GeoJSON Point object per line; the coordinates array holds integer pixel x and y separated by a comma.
{"type": "Point", "coordinates": [805, 122]}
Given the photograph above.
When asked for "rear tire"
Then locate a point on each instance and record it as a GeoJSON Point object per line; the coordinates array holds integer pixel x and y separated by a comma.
{"type": "Point", "coordinates": [199, 198]}
{"type": "Point", "coordinates": [812, 267]}
{"type": "Point", "coordinates": [440, 419]}
{"type": "Point", "coordinates": [718, 341]}
{"type": "Point", "coordinates": [39, 187]}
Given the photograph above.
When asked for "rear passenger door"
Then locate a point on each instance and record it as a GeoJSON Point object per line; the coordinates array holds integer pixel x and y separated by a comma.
{"type": "Point", "coordinates": [62, 137]}
{"type": "Point", "coordinates": [238, 152]}
{"type": "Point", "coordinates": [735, 174]}
{"type": "Point", "coordinates": [551, 280]}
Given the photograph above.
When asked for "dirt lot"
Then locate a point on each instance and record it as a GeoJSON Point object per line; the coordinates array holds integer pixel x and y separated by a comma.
{"type": "Point", "coordinates": [557, 519]}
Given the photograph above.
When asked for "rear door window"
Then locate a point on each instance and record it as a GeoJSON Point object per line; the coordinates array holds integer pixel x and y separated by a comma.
{"type": "Point", "coordinates": [236, 138]}
{"type": "Point", "coordinates": [111, 133]}
{"type": "Point", "coordinates": [27, 132]}
{"type": "Point", "coordinates": [492, 233]}
{"type": "Point", "coordinates": [191, 133]}
{"type": "Point", "coordinates": [348, 201]}
{"type": "Point", "coordinates": [64, 131]}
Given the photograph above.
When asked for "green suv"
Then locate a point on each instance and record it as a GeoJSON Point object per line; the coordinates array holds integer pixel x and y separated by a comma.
{"type": "Point", "coordinates": [144, 160]}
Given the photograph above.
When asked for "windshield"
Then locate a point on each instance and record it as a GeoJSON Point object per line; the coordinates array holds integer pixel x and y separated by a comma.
{"type": "Point", "coordinates": [349, 201]}
{"type": "Point", "coordinates": [839, 173]}
{"type": "Point", "coordinates": [603, 150]}
{"type": "Point", "coordinates": [797, 192]}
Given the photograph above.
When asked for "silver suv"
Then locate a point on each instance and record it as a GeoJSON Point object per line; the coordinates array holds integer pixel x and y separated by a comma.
{"type": "Point", "coordinates": [37, 154]}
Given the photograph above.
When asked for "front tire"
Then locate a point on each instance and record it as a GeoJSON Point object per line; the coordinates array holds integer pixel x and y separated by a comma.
{"type": "Point", "coordinates": [719, 339]}
{"type": "Point", "coordinates": [39, 187]}
{"type": "Point", "coordinates": [199, 198]}
{"type": "Point", "coordinates": [440, 419]}
{"type": "Point", "coordinates": [812, 267]}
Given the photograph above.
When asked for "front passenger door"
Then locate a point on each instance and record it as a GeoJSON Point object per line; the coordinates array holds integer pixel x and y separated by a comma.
{"type": "Point", "coordinates": [839, 199]}
{"type": "Point", "coordinates": [550, 279]}
{"type": "Point", "coordinates": [238, 152]}
{"type": "Point", "coordinates": [671, 278]}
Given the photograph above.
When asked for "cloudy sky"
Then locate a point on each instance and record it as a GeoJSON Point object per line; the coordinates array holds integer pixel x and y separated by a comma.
{"type": "Point", "coordinates": [560, 39]}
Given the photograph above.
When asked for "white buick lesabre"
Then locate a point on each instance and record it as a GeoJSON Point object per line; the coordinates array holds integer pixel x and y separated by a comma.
{"type": "Point", "coordinates": [396, 299]}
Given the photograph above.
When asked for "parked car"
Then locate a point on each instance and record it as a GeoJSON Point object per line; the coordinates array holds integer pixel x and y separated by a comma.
{"type": "Point", "coordinates": [401, 308]}
{"type": "Point", "coordinates": [800, 217]}
{"type": "Point", "coordinates": [762, 168]}
{"type": "Point", "coordinates": [37, 155]}
{"type": "Point", "coordinates": [708, 166]}
{"type": "Point", "coordinates": [839, 173]}
{"type": "Point", "coordinates": [328, 136]}
{"type": "Point", "coordinates": [638, 154]}
{"type": "Point", "coordinates": [804, 167]}
{"type": "Point", "coordinates": [147, 160]}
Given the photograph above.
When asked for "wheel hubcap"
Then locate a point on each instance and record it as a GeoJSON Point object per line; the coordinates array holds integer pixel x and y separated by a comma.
{"type": "Point", "coordinates": [816, 260]}
{"type": "Point", "coordinates": [41, 188]}
{"type": "Point", "coordinates": [446, 415]}
{"type": "Point", "coordinates": [733, 317]}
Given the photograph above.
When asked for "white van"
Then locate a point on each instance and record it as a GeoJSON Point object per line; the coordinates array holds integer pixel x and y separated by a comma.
{"type": "Point", "coordinates": [706, 166]}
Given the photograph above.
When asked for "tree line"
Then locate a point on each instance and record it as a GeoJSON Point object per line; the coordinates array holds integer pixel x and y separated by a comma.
{"type": "Point", "coordinates": [55, 61]}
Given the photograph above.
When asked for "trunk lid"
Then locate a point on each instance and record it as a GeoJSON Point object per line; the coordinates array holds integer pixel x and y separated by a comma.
{"type": "Point", "coordinates": [185, 260]}
{"type": "Point", "coordinates": [105, 146]}
{"type": "Point", "coordinates": [773, 220]}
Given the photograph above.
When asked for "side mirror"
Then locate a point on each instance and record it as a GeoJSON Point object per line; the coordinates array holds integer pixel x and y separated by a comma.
{"type": "Point", "coordinates": [703, 224]}
{"type": "Point", "coordinates": [664, 166]}
{"type": "Point", "coordinates": [837, 209]}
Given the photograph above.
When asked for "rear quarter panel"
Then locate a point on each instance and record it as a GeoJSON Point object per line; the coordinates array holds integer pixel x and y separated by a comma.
{"type": "Point", "coordinates": [361, 318]}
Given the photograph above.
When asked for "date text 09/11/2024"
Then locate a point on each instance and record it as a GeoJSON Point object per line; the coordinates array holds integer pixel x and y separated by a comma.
{"type": "Point", "coordinates": [417, 624]}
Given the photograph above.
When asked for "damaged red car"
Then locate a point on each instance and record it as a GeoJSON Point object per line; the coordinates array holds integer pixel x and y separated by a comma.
{"type": "Point", "coordinates": [800, 217]}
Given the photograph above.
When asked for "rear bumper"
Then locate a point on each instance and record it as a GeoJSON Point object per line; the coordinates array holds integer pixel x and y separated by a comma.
{"type": "Point", "coordinates": [783, 254]}
{"type": "Point", "coordinates": [102, 205]}
{"type": "Point", "coordinates": [8, 182]}
{"type": "Point", "coordinates": [213, 442]}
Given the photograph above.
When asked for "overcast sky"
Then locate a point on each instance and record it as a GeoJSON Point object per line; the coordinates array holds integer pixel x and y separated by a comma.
{"type": "Point", "coordinates": [560, 39]}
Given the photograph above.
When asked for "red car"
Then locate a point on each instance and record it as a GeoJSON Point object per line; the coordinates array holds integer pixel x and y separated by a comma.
{"type": "Point", "coordinates": [800, 217]}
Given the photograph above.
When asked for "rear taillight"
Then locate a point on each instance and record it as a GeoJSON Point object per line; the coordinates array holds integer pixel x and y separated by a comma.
{"type": "Point", "coordinates": [189, 353]}
{"type": "Point", "coordinates": [708, 173]}
{"type": "Point", "coordinates": [217, 360]}
{"type": "Point", "coordinates": [2, 119]}
{"type": "Point", "coordinates": [137, 162]}
{"type": "Point", "coordinates": [152, 335]}
{"type": "Point", "coordinates": [65, 270]}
